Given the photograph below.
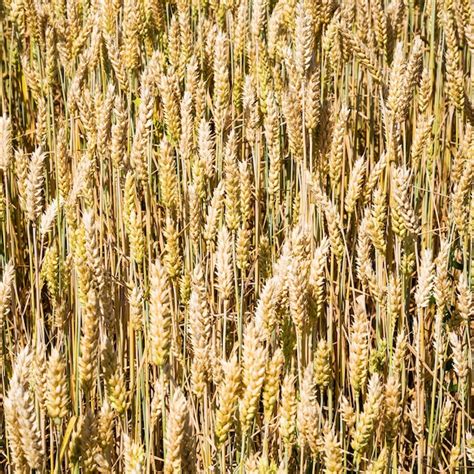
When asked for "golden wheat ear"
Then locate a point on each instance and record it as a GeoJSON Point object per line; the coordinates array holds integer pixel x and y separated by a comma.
{"type": "Point", "coordinates": [236, 236]}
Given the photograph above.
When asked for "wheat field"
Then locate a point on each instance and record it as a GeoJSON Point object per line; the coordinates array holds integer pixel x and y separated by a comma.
{"type": "Point", "coordinates": [236, 236]}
